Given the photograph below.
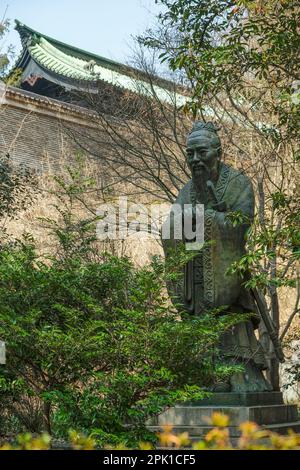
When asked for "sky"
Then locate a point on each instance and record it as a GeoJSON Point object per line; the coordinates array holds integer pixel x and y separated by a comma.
{"type": "Point", "coordinates": [104, 27]}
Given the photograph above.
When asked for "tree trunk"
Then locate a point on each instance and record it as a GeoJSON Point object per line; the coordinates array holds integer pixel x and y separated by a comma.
{"type": "Point", "coordinates": [47, 417]}
{"type": "Point", "coordinates": [274, 365]}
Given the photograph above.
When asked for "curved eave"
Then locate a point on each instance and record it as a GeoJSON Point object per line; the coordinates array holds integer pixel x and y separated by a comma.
{"type": "Point", "coordinates": [54, 60]}
{"type": "Point", "coordinates": [30, 36]}
{"type": "Point", "coordinates": [28, 33]}
{"type": "Point", "coordinates": [64, 66]}
{"type": "Point", "coordinates": [68, 83]}
{"type": "Point", "coordinates": [23, 60]}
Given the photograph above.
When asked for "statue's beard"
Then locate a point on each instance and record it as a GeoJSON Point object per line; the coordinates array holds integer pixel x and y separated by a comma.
{"type": "Point", "coordinates": [201, 169]}
{"type": "Point", "coordinates": [203, 172]}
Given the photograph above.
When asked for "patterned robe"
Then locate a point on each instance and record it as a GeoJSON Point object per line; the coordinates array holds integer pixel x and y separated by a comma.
{"type": "Point", "coordinates": [206, 283]}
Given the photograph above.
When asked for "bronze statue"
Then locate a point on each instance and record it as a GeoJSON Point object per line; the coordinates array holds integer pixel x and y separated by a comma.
{"type": "Point", "coordinates": [206, 284]}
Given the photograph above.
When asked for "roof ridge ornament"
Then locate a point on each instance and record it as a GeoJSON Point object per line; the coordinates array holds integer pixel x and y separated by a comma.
{"type": "Point", "coordinates": [90, 67]}
{"type": "Point", "coordinates": [34, 40]}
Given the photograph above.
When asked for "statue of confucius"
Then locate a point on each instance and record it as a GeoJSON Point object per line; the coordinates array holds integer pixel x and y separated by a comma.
{"type": "Point", "coordinates": [206, 284]}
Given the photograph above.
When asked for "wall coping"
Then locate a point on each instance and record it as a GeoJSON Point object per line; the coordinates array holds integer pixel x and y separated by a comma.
{"type": "Point", "coordinates": [32, 102]}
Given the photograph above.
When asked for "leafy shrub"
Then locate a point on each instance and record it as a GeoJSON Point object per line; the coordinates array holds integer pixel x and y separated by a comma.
{"type": "Point", "coordinates": [93, 343]}
{"type": "Point", "coordinates": [96, 345]}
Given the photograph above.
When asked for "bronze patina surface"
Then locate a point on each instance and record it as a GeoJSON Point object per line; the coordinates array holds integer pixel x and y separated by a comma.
{"type": "Point", "coordinates": [206, 283]}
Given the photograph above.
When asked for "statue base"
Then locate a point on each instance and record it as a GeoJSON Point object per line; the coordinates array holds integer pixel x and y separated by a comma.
{"type": "Point", "coordinates": [267, 409]}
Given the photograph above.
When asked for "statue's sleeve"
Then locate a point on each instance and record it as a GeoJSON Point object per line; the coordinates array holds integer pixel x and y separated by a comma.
{"type": "Point", "coordinates": [225, 243]}
{"type": "Point", "coordinates": [173, 248]}
{"type": "Point", "coordinates": [239, 198]}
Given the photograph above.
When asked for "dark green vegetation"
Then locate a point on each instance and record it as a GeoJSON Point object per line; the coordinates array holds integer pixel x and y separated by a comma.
{"type": "Point", "coordinates": [6, 52]}
{"type": "Point", "coordinates": [92, 343]}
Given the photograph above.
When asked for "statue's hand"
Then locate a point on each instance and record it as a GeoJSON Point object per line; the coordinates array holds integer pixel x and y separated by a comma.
{"type": "Point", "coordinates": [217, 205]}
{"type": "Point", "coordinates": [220, 207]}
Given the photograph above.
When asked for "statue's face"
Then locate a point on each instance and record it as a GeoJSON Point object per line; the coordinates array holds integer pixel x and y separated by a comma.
{"type": "Point", "coordinates": [203, 153]}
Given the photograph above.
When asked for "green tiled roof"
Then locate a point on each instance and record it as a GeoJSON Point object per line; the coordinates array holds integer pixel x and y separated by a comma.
{"type": "Point", "coordinates": [72, 63]}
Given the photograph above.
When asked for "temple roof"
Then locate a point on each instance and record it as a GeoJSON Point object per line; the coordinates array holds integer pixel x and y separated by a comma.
{"type": "Point", "coordinates": [45, 57]}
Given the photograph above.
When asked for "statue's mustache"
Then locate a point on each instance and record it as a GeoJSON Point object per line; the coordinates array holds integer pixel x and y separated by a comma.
{"type": "Point", "coordinates": [198, 165]}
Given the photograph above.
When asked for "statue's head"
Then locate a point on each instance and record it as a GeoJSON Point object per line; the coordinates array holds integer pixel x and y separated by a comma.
{"type": "Point", "coordinates": [204, 149]}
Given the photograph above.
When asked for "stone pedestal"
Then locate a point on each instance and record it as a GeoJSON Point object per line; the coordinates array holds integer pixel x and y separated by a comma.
{"type": "Point", "coordinates": [266, 409]}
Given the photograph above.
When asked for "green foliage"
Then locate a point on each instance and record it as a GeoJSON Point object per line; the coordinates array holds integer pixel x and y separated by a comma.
{"type": "Point", "coordinates": [97, 343]}
{"type": "Point", "coordinates": [274, 242]}
{"type": "Point", "coordinates": [6, 53]}
{"type": "Point", "coordinates": [93, 343]}
{"type": "Point", "coordinates": [219, 45]}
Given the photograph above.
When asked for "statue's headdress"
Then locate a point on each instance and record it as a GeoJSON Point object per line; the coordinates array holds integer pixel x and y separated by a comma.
{"type": "Point", "coordinates": [199, 127]}
{"type": "Point", "coordinates": [207, 126]}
